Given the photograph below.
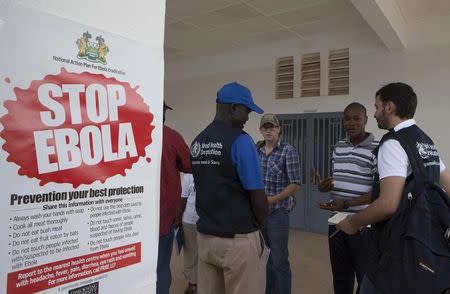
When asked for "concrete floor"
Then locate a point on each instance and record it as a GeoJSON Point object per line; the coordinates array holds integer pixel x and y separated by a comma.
{"type": "Point", "coordinates": [311, 272]}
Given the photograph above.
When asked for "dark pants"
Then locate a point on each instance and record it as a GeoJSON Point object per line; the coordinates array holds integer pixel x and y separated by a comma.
{"type": "Point", "coordinates": [276, 234]}
{"type": "Point", "coordinates": [164, 277]}
{"type": "Point", "coordinates": [347, 258]}
{"type": "Point", "coordinates": [368, 288]}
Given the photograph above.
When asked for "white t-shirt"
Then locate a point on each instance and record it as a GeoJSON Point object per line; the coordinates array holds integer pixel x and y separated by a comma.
{"type": "Point", "coordinates": [392, 158]}
{"type": "Point", "coordinates": [190, 215]}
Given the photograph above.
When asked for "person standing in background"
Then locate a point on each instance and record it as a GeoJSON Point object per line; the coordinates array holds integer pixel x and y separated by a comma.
{"type": "Point", "coordinates": [280, 165]}
{"type": "Point", "coordinates": [189, 217]}
{"type": "Point", "coordinates": [353, 171]}
{"type": "Point", "coordinates": [175, 158]}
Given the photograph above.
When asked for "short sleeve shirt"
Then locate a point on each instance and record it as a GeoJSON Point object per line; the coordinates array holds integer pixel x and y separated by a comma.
{"type": "Point", "coordinates": [392, 158]}
{"type": "Point", "coordinates": [245, 160]}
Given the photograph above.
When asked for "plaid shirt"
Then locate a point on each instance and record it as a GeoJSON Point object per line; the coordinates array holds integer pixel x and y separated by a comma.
{"type": "Point", "coordinates": [279, 169]}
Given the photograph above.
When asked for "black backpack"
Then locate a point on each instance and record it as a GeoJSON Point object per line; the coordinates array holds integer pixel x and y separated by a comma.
{"type": "Point", "coordinates": [410, 252]}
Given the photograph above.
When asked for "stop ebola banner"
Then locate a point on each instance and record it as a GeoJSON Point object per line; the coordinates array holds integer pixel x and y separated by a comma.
{"type": "Point", "coordinates": [80, 147]}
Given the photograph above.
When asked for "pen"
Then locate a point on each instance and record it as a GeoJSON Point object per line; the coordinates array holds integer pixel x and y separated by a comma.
{"type": "Point", "coordinates": [335, 232]}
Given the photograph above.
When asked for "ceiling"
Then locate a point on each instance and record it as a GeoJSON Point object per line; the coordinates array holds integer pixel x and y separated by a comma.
{"type": "Point", "coordinates": [196, 28]}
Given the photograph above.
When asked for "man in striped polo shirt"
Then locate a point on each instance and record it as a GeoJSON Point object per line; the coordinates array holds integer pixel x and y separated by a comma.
{"type": "Point", "coordinates": [350, 187]}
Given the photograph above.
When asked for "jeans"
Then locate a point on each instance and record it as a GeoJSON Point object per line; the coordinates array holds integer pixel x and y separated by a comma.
{"type": "Point", "coordinates": [276, 235]}
{"type": "Point", "coordinates": [164, 276]}
{"type": "Point", "coordinates": [347, 260]}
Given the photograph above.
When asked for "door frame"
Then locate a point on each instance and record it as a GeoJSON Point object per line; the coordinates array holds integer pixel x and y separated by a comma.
{"type": "Point", "coordinates": [306, 215]}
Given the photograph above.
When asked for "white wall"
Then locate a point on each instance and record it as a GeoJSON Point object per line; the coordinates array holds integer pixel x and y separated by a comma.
{"type": "Point", "coordinates": [191, 86]}
{"type": "Point", "coordinates": [126, 18]}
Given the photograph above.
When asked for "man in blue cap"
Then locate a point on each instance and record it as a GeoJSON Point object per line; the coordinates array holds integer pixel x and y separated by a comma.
{"type": "Point", "coordinates": [231, 202]}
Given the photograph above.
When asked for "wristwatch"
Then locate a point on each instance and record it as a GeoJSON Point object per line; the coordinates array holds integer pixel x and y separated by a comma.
{"type": "Point", "coordinates": [345, 204]}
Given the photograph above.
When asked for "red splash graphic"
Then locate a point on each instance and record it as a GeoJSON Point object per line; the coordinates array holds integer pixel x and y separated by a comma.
{"type": "Point", "coordinates": [76, 128]}
{"type": "Point", "coordinates": [8, 80]}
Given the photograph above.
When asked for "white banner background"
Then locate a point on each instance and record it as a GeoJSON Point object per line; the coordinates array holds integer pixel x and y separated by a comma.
{"type": "Point", "coordinates": [28, 41]}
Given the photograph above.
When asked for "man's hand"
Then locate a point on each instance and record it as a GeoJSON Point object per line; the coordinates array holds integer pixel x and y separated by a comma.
{"type": "Point", "coordinates": [333, 205]}
{"type": "Point", "coordinates": [288, 191]}
{"type": "Point", "coordinates": [323, 185]}
{"type": "Point", "coordinates": [177, 221]}
{"type": "Point", "coordinates": [259, 205]}
{"type": "Point", "coordinates": [271, 200]}
{"type": "Point", "coordinates": [348, 226]}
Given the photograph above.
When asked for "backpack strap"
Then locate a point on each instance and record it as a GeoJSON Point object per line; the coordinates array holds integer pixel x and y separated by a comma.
{"type": "Point", "coordinates": [418, 168]}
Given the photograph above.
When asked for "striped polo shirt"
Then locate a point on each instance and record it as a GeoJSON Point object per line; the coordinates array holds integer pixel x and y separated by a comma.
{"type": "Point", "coordinates": [354, 167]}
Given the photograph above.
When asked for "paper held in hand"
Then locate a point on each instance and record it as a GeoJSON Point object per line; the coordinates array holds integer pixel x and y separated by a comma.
{"type": "Point", "coordinates": [179, 239]}
{"type": "Point", "coordinates": [335, 219]}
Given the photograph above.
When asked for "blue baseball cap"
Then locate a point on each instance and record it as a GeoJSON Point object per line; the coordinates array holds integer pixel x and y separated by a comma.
{"type": "Point", "coordinates": [235, 93]}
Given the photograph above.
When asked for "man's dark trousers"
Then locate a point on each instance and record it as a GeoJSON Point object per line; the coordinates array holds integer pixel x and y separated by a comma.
{"type": "Point", "coordinates": [347, 260]}
{"type": "Point", "coordinates": [164, 276]}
